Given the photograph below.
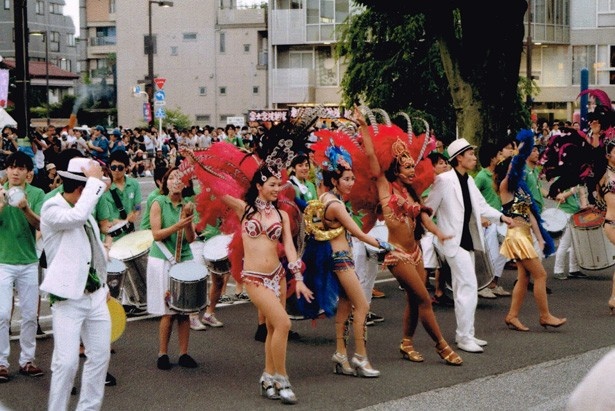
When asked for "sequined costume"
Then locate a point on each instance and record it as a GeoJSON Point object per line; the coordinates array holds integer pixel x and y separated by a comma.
{"type": "Point", "coordinates": [518, 242]}
{"type": "Point", "coordinates": [269, 280]}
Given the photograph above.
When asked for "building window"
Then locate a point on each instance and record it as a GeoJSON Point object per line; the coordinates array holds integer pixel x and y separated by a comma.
{"type": "Point", "coordinates": [246, 48]}
{"type": "Point", "coordinates": [202, 91]}
{"type": "Point", "coordinates": [66, 64]}
{"type": "Point", "coordinates": [7, 4]}
{"type": "Point", "coordinates": [54, 43]}
{"type": "Point", "coordinates": [174, 50]}
{"type": "Point", "coordinates": [70, 40]}
{"type": "Point", "coordinates": [111, 6]}
{"type": "Point", "coordinates": [203, 118]}
{"type": "Point", "coordinates": [583, 56]}
{"type": "Point", "coordinates": [255, 90]}
{"type": "Point", "coordinates": [189, 36]}
{"type": "Point", "coordinates": [55, 8]}
{"type": "Point", "coordinates": [222, 91]}
{"type": "Point", "coordinates": [222, 43]}
{"type": "Point", "coordinates": [40, 7]}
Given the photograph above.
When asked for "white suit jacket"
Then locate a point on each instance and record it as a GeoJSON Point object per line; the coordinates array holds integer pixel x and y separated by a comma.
{"type": "Point", "coordinates": [446, 200]}
{"type": "Point", "coordinates": [66, 243]}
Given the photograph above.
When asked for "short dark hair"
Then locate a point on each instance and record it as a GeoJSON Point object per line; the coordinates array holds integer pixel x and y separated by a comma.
{"type": "Point", "coordinates": [71, 185]}
{"type": "Point", "coordinates": [486, 153]}
{"type": "Point", "coordinates": [20, 159]}
{"type": "Point", "coordinates": [436, 156]}
{"type": "Point", "coordinates": [121, 156]}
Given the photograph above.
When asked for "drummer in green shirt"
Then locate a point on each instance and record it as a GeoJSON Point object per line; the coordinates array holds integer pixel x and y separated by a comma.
{"type": "Point", "coordinates": [119, 208]}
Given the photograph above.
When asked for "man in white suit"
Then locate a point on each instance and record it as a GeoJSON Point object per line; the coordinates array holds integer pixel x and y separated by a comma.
{"type": "Point", "coordinates": [458, 205]}
{"type": "Point", "coordinates": [76, 280]}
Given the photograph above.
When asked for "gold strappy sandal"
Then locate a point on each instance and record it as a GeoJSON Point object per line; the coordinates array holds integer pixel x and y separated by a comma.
{"type": "Point", "coordinates": [406, 348]}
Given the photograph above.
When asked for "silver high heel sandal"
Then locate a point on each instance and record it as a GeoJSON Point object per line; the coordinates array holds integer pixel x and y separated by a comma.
{"type": "Point", "coordinates": [360, 364]}
{"type": "Point", "coordinates": [342, 366]}
{"type": "Point", "coordinates": [267, 387]}
{"type": "Point", "coordinates": [285, 391]}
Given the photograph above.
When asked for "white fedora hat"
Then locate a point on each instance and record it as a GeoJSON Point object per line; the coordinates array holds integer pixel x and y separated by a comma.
{"type": "Point", "coordinates": [75, 169]}
{"type": "Point", "coordinates": [458, 146]}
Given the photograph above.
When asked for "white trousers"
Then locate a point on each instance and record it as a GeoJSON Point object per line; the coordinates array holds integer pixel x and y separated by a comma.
{"type": "Point", "coordinates": [87, 319]}
{"type": "Point", "coordinates": [566, 245]}
{"type": "Point", "coordinates": [366, 269]}
{"type": "Point", "coordinates": [465, 292]}
{"type": "Point", "coordinates": [24, 278]}
{"type": "Point", "coordinates": [430, 258]}
{"type": "Point", "coordinates": [492, 244]}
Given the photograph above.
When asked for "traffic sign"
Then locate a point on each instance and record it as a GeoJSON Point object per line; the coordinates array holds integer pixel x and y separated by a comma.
{"type": "Point", "coordinates": [160, 95]}
{"type": "Point", "coordinates": [160, 113]}
{"type": "Point", "coordinates": [160, 103]}
{"type": "Point", "coordinates": [160, 82]}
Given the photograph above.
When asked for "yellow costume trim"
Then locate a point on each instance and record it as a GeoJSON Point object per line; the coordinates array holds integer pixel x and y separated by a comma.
{"type": "Point", "coordinates": [313, 216]}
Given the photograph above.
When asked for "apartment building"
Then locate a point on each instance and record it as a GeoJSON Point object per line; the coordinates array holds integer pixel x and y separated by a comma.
{"type": "Point", "coordinates": [568, 36]}
{"type": "Point", "coordinates": [52, 37]}
{"type": "Point", "coordinates": [212, 54]}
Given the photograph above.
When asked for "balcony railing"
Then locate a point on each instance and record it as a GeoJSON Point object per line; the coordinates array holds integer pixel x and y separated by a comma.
{"type": "Point", "coordinates": [293, 86]}
{"type": "Point", "coordinates": [103, 41]}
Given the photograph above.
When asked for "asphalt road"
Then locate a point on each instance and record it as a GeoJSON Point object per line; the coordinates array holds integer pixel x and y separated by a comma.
{"type": "Point", "coordinates": [534, 370]}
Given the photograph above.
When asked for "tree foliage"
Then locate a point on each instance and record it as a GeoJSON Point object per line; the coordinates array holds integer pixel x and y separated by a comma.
{"type": "Point", "coordinates": [478, 54]}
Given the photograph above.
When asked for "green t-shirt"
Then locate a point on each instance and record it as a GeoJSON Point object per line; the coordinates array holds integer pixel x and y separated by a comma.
{"type": "Point", "coordinates": [309, 195]}
{"type": "Point", "coordinates": [170, 215]}
{"type": "Point", "coordinates": [533, 183]}
{"type": "Point", "coordinates": [145, 225]}
{"type": "Point", "coordinates": [17, 236]}
{"type": "Point", "coordinates": [485, 184]}
{"type": "Point", "coordinates": [130, 198]}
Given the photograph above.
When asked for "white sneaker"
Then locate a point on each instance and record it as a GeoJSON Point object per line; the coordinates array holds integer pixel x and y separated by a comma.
{"type": "Point", "coordinates": [211, 320]}
{"type": "Point", "coordinates": [500, 291]}
{"type": "Point", "coordinates": [470, 346]}
{"type": "Point", "coordinates": [196, 324]}
{"type": "Point", "coordinates": [478, 342]}
{"type": "Point", "coordinates": [487, 293]}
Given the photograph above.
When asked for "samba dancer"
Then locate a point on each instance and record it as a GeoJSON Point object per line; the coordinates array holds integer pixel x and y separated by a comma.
{"type": "Point", "coordinates": [250, 187]}
{"type": "Point", "coordinates": [393, 167]}
{"type": "Point", "coordinates": [607, 194]}
{"type": "Point", "coordinates": [337, 228]}
{"type": "Point", "coordinates": [518, 204]}
{"type": "Point", "coordinates": [263, 226]}
{"type": "Point", "coordinates": [171, 223]}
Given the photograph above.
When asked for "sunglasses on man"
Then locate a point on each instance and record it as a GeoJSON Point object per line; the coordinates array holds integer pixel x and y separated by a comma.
{"type": "Point", "coordinates": [116, 168]}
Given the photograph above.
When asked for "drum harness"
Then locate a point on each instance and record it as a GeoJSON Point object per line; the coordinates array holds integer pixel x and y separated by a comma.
{"type": "Point", "coordinates": [123, 215]}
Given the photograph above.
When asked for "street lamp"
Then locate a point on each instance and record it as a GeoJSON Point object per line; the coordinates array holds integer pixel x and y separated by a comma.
{"type": "Point", "coordinates": [45, 35]}
{"type": "Point", "coordinates": [150, 55]}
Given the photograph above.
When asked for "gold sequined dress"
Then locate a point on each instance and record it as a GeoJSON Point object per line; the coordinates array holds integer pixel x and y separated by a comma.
{"type": "Point", "coordinates": [518, 243]}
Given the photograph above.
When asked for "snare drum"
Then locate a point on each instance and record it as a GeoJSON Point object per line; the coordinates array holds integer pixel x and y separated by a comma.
{"type": "Point", "coordinates": [188, 287]}
{"type": "Point", "coordinates": [132, 249]}
{"type": "Point", "coordinates": [215, 253]}
{"type": "Point", "coordinates": [115, 276]}
{"type": "Point", "coordinates": [381, 232]}
{"type": "Point", "coordinates": [123, 227]}
{"type": "Point", "coordinates": [593, 250]}
{"type": "Point", "coordinates": [554, 221]}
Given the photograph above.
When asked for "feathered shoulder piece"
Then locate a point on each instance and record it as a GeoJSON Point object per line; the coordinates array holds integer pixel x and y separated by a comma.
{"type": "Point", "coordinates": [515, 175]}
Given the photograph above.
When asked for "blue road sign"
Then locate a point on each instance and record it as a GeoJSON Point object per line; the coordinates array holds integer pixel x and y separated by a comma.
{"type": "Point", "coordinates": [160, 113]}
{"type": "Point", "coordinates": [159, 95]}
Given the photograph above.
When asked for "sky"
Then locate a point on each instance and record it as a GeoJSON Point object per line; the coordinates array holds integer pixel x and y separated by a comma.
{"type": "Point", "coordinates": [72, 9]}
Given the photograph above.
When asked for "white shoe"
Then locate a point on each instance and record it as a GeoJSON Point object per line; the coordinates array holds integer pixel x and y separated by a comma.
{"type": "Point", "coordinates": [487, 293]}
{"type": "Point", "coordinates": [478, 342]}
{"type": "Point", "coordinates": [211, 320]}
{"type": "Point", "coordinates": [196, 324]}
{"type": "Point", "coordinates": [470, 346]}
{"type": "Point", "coordinates": [500, 292]}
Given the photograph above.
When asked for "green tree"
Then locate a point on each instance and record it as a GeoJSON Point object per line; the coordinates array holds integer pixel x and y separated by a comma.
{"type": "Point", "coordinates": [479, 50]}
{"type": "Point", "coordinates": [175, 117]}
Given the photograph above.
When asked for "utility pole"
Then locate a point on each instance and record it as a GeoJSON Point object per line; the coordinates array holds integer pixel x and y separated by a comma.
{"type": "Point", "coordinates": [22, 72]}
